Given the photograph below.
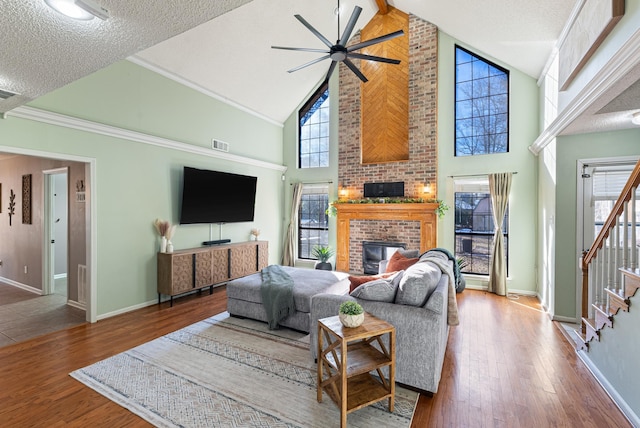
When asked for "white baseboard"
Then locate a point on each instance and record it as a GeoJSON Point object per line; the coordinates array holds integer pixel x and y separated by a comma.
{"type": "Point", "coordinates": [20, 285]}
{"type": "Point", "coordinates": [509, 290]}
{"type": "Point", "coordinates": [610, 390]}
{"type": "Point", "coordinates": [125, 310]}
{"type": "Point", "coordinates": [60, 276]}
{"type": "Point", "coordinates": [569, 320]}
{"type": "Point", "coordinates": [76, 305]}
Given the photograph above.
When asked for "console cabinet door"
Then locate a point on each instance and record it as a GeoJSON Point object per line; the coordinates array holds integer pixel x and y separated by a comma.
{"type": "Point", "coordinates": [244, 260]}
{"type": "Point", "coordinates": [181, 273]}
{"type": "Point", "coordinates": [220, 258]}
{"type": "Point", "coordinates": [204, 269]}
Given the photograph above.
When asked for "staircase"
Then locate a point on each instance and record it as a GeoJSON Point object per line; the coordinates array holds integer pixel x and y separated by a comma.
{"type": "Point", "coordinates": [610, 274]}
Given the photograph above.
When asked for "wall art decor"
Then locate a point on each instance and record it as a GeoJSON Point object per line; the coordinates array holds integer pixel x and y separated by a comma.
{"type": "Point", "coordinates": [80, 192]}
{"type": "Point", "coordinates": [26, 199]}
{"type": "Point", "coordinates": [12, 205]}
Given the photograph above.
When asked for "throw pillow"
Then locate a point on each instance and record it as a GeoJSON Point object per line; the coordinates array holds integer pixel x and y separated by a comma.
{"type": "Point", "coordinates": [379, 290]}
{"type": "Point", "coordinates": [418, 283]}
{"type": "Point", "coordinates": [399, 262]}
{"type": "Point", "coordinates": [358, 280]}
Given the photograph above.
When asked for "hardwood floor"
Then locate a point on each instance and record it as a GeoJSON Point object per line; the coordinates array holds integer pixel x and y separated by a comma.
{"type": "Point", "coordinates": [506, 365]}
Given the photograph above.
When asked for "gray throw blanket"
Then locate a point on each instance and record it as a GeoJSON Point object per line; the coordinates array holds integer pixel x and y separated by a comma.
{"type": "Point", "coordinates": [277, 294]}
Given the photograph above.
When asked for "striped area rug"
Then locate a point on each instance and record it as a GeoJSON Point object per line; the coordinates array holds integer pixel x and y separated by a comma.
{"type": "Point", "coordinates": [227, 372]}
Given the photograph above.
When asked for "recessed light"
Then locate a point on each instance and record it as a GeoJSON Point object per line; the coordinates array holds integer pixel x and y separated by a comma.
{"type": "Point", "coordinates": [635, 118]}
{"type": "Point", "coordinates": [83, 10]}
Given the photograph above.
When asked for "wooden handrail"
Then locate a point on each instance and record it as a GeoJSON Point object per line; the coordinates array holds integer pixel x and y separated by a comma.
{"type": "Point", "coordinates": [625, 195]}
{"type": "Point", "coordinates": [609, 224]}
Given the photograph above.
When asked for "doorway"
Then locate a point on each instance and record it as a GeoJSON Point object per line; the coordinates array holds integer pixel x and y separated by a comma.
{"type": "Point", "coordinates": [600, 182]}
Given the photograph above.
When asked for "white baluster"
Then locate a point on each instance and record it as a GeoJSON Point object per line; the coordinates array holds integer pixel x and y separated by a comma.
{"type": "Point", "coordinates": [625, 235]}
{"type": "Point", "coordinates": [634, 244]}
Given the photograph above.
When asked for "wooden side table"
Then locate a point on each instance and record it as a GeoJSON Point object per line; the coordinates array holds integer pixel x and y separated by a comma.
{"type": "Point", "coordinates": [348, 360]}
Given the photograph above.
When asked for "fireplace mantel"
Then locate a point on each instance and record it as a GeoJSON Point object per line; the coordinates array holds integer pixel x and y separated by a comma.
{"type": "Point", "coordinates": [425, 213]}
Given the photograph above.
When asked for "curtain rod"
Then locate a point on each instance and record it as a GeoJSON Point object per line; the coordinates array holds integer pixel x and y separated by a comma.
{"type": "Point", "coordinates": [477, 175]}
{"type": "Point", "coordinates": [312, 182]}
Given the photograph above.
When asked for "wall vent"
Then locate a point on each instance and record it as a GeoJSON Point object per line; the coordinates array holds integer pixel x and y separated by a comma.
{"type": "Point", "coordinates": [5, 94]}
{"type": "Point", "coordinates": [219, 145]}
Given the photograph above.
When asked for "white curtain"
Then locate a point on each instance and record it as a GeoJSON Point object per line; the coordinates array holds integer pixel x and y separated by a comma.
{"type": "Point", "coordinates": [499, 187]}
{"type": "Point", "coordinates": [289, 252]}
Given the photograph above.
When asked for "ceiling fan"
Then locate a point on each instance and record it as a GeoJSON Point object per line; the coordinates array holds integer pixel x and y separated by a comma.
{"type": "Point", "coordinates": [339, 52]}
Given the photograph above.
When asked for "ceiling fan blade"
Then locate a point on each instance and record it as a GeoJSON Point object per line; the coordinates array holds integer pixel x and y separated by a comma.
{"type": "Point", "coordinates": [308, 64]}
{"type": "Point", "coordinates": [314, 31]}
{"type": "Point", "coordinates": [350, 26]}
{"type": "Point", "coordinates": [376, 40]}
{"type": "Point", "coordinates": [331, 68]}
{"type": "Point", "coordinates": [372, 58]}
{"type": "Point", "coordinates": [355, 70]}
{"type": "Point", "coordinates": [300, 49]}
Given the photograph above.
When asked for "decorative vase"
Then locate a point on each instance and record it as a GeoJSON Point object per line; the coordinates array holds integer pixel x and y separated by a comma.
{"type": "Point", "coordinates": [324, 266]}
{"type": "Point", "coordinates": [255, 237]}
{"type": "Point", "coordinates": [351, 320]}
{"type": "Point", "coordinates": [163, 244]}
{"type": "Point", "coordinates": [169, 247]}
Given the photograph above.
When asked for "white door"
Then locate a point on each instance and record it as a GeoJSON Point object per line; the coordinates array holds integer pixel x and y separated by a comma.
{"type": "Point", "coordinates": [56, 234]}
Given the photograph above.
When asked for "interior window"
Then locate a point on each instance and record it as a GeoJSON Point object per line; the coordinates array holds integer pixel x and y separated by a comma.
{"type": "Point", "coordinates": [313, 222]}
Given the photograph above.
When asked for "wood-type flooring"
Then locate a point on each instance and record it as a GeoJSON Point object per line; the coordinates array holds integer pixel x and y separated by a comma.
{"type": "Point", "coordinates": [506, 365]}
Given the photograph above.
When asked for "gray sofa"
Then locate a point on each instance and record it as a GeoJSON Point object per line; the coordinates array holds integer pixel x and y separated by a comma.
{"type": "Point", "coordinates": [244, 298]}
{"type": "Point", "coordinates": [421, 326]}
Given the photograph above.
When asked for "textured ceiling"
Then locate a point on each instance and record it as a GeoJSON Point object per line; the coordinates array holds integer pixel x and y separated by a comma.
{"type": "Point", "coordinates": [42, 50]}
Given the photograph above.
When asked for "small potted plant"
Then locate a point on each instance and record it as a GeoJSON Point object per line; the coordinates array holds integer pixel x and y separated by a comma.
{"type": "Point", "coordinates": [323, 253]}
{"type": "Point", "coordinates": [351, 314]}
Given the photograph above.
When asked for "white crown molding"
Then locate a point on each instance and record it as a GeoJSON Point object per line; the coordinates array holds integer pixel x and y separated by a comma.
{"type": "Point", "coordinates": [620, 64]}
{"type": "Point", "coordinates": [189, 84]}
{"type": "Point", "coordinates": [43, 116]}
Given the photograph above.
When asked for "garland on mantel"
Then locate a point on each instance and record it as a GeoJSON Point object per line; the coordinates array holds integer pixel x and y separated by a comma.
{"type": "Point", "coordinates": [440, 211]}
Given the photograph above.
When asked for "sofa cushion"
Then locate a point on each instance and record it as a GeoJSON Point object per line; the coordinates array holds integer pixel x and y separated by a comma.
{"type": "Point", "coordinates": [357, 280]}
{"type": "Point", "coordinates": [417, 284]}
{"type": "Point", "coordinates": [399, 262]}
{"type": "Point", "coordinates": [379, 290]}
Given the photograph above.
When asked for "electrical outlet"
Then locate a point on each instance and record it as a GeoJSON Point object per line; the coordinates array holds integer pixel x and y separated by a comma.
{"type": "Point", "coordinates": [25, 269]}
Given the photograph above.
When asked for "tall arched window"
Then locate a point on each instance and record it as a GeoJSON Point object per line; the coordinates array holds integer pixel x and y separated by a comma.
{"type": "Point", "coordinates": [482, 106]}
{"type": "Point", "coordinates": [314, 130]}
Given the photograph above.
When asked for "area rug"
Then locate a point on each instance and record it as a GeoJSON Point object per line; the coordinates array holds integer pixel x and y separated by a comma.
{"type": "Point", "coordinates": [225, 372]}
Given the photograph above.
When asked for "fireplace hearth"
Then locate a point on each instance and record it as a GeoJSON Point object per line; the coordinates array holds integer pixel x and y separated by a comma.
{"type": "Point", "coordinates": [374, 251]}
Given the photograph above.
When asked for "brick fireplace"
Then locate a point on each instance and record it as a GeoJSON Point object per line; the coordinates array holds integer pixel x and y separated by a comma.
{"type": "Point", "coordinates": [388, 222]}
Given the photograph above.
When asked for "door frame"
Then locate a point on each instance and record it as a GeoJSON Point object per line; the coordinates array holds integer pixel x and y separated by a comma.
{"type": "Point", "coordinates": [92, 224]}
{"type": "Point", "coordinates": [48, 260]}
{"type": "Point", "coordinates": [582, 164]}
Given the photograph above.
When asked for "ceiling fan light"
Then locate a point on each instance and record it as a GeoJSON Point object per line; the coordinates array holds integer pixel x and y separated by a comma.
{"type": "Point", "coordinates": [635, 118]}
{"type": "Point", "coordinates": [70, 9]}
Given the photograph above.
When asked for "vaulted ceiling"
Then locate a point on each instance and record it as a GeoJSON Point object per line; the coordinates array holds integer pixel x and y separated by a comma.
{"type": "Point", "coordinates": [223, 47]}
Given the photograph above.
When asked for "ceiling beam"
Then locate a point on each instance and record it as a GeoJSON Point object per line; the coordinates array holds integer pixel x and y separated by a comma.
{"type": "Point", "coordinates": [383, 6]}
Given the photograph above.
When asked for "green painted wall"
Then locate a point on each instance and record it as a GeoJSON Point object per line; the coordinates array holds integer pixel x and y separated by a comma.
{"type": "Point", "coordinates": [312, 175]}
{"type": "Point", "coordinates": [137, 183]}
{"type": "Point", "coordinates": [523, 122]}
{"type": "Point", "coordinates": [569, 150]}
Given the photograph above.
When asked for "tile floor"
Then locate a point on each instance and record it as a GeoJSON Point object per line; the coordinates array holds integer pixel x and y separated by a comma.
{"type": "Point", "coordinates": [24, 315]}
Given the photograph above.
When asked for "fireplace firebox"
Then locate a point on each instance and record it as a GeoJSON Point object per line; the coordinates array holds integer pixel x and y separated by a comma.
{"type": "Point", "coordinates": [374, 251]}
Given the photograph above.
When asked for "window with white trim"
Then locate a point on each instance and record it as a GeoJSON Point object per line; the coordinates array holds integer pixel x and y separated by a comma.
{"type": "Point", "coordinates": [313, 222]}
{"type": "Point", "coordinates": [474, 225]}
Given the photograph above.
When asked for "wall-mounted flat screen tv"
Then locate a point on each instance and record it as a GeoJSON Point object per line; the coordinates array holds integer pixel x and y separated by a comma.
{"type": "Point", "coordinates": [217, 197]}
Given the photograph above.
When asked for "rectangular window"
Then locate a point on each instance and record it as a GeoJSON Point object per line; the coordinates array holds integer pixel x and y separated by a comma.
{"type": "Point", "coordinates": [481, 106]}
{"type": "Point", "coordinates": [474, 225]}
{"type": "Point", "coordinates": [314, 130]}
{"type": "Point", "coordinates": [313, 222]}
